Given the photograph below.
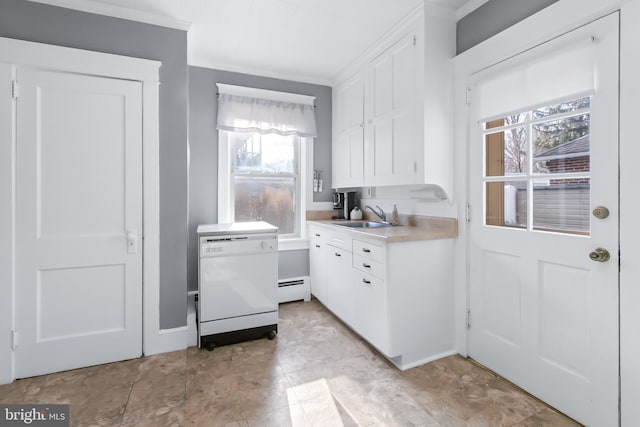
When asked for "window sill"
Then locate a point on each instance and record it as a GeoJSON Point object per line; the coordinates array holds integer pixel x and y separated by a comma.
{"type": "Point", "coordinates": [293, 244]}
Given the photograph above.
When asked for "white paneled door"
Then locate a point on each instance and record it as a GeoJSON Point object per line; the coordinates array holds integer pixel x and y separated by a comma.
{"type": "Point", "coordinates": [79, 221]}
{"type": "Point", "coordinates": [544, 224]}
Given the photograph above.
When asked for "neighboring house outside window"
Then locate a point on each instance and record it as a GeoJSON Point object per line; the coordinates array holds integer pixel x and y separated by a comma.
{"type": "Point", "coordinates": [572, 156]}
{"type": "Point", "coordinates": [572, 193]}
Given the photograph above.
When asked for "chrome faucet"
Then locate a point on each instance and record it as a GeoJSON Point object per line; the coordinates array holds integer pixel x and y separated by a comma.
{"type": "Point", "coordinates": [381, 214]}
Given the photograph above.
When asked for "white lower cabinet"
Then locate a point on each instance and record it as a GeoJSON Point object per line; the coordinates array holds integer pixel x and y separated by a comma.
{"type": "Point", "coordinates": [369, 271]}
{"type": "Point", "coordinates": [372, 321]}
{"type": "Point", "coordinates": [398, 296]}
{"type": "Point", "coordinates": [340, 286]}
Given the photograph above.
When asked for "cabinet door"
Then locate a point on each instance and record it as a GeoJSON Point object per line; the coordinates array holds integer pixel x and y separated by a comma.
{"type": "Point", "coordinates": [340, 285]}
{"type": "Point", "coordinates": [372, 321]}
{"type": "Point", "coordinates": [318, 265]}
{"type": "Point", "coordinates": [349, 134]}
{"type": "Point", "coordinates": [393, 133]}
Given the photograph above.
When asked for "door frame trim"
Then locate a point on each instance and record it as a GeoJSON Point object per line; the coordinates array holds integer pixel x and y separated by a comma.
{"type": "Point", "coordinates": [23, 53]}
{"type": "Point", "coordinates": [554, 20]}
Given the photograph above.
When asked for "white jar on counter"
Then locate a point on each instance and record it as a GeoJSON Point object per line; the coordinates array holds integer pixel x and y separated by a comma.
{"type": "Point", "coordinates": [356, 213]}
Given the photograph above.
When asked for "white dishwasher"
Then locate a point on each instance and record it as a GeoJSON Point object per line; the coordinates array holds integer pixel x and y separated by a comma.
{"type": "Point", "coordinates": [237, 283]}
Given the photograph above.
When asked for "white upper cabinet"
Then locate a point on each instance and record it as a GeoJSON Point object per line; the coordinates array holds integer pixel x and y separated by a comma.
{"type": "Point", "coordinates": [392, 109]}
{"type": "Point", "coordinates": [348, 136]}
{"type": "Point", "coordinates": [402, 90]}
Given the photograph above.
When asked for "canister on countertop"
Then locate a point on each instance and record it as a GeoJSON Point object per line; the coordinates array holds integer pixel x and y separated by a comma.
{"type": "Point", "coordinates": [356, 213]}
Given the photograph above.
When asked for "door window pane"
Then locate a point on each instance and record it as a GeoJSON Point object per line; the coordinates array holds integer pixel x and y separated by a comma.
{"type": "Point", "coordinates": [506, 152]}
{"type": "Point", "coordinates": [562, 146]}
{"type": "Point", "coordinates": [563, 107]}
{"type": "Point", "coordinates": [271, 199]}
{"type": "Point", "coordinates": [506, 204]}
{"type": "Point", "coordinates": [507, 121]}
{"type": "Point", "coordinates": [562, 205]}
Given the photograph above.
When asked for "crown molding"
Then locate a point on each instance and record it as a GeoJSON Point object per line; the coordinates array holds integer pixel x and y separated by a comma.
{"type": "Point", "coordinates": [97, 8]}
{"type": "Point", "coordinates": [260, 72]}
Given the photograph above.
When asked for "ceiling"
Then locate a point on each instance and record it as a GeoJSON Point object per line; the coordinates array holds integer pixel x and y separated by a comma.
{"type": "Point", "coordinates": [304, 40]}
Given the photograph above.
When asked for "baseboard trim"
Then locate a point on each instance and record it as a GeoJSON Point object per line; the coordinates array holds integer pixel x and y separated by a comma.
{"type": "Point", "coordinates": [168, 340]}
{"type": "Point", "coordinates": [419, 362]}
{"type": "Point", "coordinates": [192, 334]}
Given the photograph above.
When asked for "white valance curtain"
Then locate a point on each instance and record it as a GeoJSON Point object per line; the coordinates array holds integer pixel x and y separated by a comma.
{"type": "Point", "coordinates": [252, 110]}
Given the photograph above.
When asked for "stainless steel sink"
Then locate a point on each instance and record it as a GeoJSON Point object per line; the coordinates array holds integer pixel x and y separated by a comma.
{"type": "Point", "coordinates": [363, 224]}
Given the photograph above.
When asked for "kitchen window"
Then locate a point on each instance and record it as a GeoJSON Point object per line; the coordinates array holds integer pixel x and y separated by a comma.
{"type": "Point", "coordinates": [265, 180]}
{"type": "Point", "coordinates": [264, 138]}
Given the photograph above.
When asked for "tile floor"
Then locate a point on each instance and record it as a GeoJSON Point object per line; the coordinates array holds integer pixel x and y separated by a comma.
{"type": "Point", "coordinates": [315, 373]}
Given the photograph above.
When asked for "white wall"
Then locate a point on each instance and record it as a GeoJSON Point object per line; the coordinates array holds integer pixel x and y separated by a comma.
{"type": "Point", "coordinates": [408, 200]}
{"type": "Point", "coordinates": [548, 23]}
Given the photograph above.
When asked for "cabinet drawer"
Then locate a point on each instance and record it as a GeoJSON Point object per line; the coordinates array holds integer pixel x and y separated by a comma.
{"type": "Point", "coordinates": [339, 240]}
{"type": "Point", "coordinates": [368, 265]}
{"type": "Point", "coordinates": [368, 250]}
{"type": "Point", "coordinates": [317, 237]}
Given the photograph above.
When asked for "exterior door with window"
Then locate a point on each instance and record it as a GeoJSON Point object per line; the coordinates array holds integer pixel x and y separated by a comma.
{"type": "Point", "coordinates": [544, 228]}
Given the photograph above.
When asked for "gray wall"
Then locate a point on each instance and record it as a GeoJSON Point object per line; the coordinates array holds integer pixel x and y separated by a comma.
{"type": "Point", "coordinates": [20, 19]}
{"type": "Point", "coordinates": [493, 17]}
{"type": "Point", "coordinates": [203, 143]}
{"type": "Point", "coordinates": [293, 264]}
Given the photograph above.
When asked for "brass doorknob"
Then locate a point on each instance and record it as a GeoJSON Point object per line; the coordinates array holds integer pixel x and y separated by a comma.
{"type": "Point", "coordinates": [601, 212]}
{"type": "Point", "coordinates": [600, 255]}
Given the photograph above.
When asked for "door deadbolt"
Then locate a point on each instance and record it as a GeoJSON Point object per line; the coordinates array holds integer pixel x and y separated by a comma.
{"type": "Point", "coordinates": [601, 212]}
{"type": "Point", "coordinates": [600, 255]}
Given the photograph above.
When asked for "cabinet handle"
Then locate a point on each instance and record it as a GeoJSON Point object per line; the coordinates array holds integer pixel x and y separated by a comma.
{"type": "Point", "coordinates": [367, 282]}
{"type": "Point", "coordinates": [317, 235]}
{"type": "Point", "coordinates": [337, 254]}
{"type": "Point", "coordinates": [317, 246]}
{"type": "Point", "coordinates": [365, 265]}
{"type": "Point", "coordinates": [367, 251]}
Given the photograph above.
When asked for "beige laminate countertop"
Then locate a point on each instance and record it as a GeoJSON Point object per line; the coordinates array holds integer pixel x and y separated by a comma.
{"type": "Point", "coordinates": [415, 228]}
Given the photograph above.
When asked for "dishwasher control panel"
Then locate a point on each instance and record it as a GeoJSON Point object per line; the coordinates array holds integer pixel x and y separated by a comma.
{"type": "Point", "coordinates": [215, 246]}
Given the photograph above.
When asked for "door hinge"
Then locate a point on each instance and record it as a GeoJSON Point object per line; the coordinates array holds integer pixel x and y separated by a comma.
{"type": "Point", "coordinates": [468, 96]}
{"type": "Point", "coordinates": [14, 89]}
{"type": "Point", "coordinates": [468, 319]}
{"type": "Point", "coordinates": [415, 167]}
{"type": "Point", "coordinates": [467, 213]}
{"type": "Point", "coordinates": [414, 40]}
{"type": "Point", "coordinates": [14, 339]}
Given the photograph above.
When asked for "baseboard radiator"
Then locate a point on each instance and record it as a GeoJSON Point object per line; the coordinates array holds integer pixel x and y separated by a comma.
{"type": "Point", "coordinates": [294, 289]}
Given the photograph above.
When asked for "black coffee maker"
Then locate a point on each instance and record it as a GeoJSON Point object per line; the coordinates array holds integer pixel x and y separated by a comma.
{"type": "Point", "coordinates": [343, 202]}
